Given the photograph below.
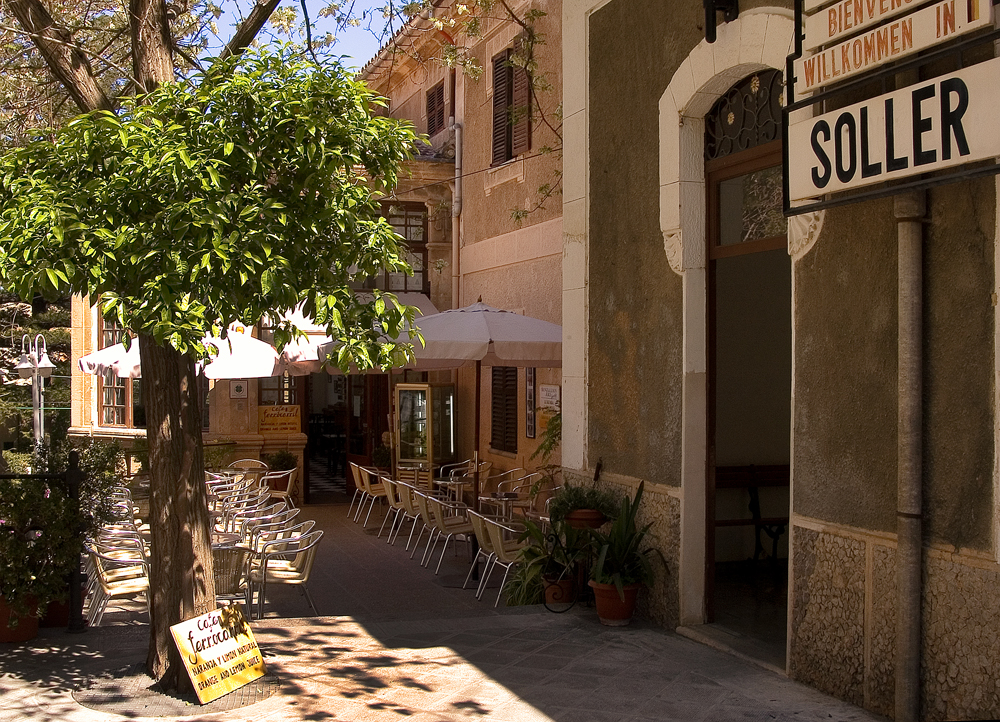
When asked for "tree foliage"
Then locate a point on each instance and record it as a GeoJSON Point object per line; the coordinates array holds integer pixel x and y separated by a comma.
{"type": "Point", "coordinates": [248, 191]}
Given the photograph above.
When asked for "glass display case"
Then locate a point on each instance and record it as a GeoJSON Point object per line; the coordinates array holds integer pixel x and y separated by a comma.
{"type": "Point", "coordinates": [425, 425]}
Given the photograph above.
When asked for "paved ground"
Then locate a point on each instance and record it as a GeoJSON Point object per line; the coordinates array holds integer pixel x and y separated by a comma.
{"type": "Point", "coordinates": [396, 643]}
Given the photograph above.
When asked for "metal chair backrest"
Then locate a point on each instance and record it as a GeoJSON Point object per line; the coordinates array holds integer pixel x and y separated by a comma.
{"type": "Point", "coordinates": [407, 498]}
{"type": "Point", "coordinates": [245, 464]}
{"type": "Point", "coordinates": [506, 551]}
{"type": "Point", "coordinates": [479, 529]}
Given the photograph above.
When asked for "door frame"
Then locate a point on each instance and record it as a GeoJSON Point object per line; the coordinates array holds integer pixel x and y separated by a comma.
{"type": "Point", "coordinates": [759, 157]}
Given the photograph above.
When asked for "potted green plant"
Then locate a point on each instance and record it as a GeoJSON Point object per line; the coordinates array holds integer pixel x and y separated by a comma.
{"type": "Point", "coordinates": [39, 544]}
{"type": "Point", "coordinates": [548, 564]}
{"type": "Point", "coordinates": [582, 506]}
{"type": "Point", "coordinates": [623, 564]}
{"type": "Point", "coordinates": [59, 519]}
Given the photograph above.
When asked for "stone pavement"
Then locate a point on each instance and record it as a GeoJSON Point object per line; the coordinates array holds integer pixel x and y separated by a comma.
{"type": "Point", "coordinates": [398, 643]}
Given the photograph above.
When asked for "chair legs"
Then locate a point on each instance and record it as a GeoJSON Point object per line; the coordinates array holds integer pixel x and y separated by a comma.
{"type": "Point", "coordinates": [353, 499]}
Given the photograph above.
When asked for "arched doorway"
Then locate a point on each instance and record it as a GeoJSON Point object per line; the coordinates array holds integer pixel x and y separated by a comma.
{"type": "Point", "coordinates": [749, 367]}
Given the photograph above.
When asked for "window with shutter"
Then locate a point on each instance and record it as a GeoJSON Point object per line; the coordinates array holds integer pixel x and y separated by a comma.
{"type": "Point", "coordinates": [511, 109]}
{"type": "Point", "coordinates": [435, 109]}
{"type": "Point", "coordinates": [501, 103]}
{"type": "Point", "coordinates": [503, 413]}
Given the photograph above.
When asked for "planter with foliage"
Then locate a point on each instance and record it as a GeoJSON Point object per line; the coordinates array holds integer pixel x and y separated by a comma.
{"type": "Point", "coordinates": [596, 505]}
{"type": "Point", "coordinates": [548, 564]}
{"type": "Point", "coordinates": [623, 564]}
{"type": "Point", "coordinates": [41, 527]}
{"type": "Point", "coordinates": [281, 460]}
{"type": "Point", "coordinates": [39, 544]}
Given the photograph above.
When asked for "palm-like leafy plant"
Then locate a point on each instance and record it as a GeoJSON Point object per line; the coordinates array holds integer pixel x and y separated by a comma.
{"type": "Point", "coordinates": [621, 557]}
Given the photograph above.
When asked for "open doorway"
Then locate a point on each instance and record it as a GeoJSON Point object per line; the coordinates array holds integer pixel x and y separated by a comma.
{"type": "Point", "coordinates": [749, 351]}
{"type": "Point", "coordinates": [348, 416]}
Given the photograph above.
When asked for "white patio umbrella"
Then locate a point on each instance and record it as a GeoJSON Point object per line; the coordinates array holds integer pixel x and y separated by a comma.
{"type": "Point", "coordinates": [240, 357]}
{"type": "Point", "coordinates": [480, 334]}
{"type": "Point", "coordinates": [124, 363]}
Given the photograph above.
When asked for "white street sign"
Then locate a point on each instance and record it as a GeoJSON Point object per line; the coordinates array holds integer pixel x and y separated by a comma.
{"type": "Point", "coordinates": [895, 40]}
{"type": "Point", "coordinates": [940, 123]}
{"type": "Point", "coordinates": [851, 16]}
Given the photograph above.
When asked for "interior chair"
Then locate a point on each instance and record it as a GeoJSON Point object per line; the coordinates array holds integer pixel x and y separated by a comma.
{"type": "Point", "coordinates": [374, 491]}
{"type": "Point", "coordinates": [506, 549]}
{"type": "Point", "coordinates": [423, 508]}
{"type": "Point", "coordinates": [392, 498]}
{"type": "Point", "coordinates": [230, 568]}
{"type": "Point", "coordinates": [418, 476]}
{"type": "Point", "coordinates": [359, 489]}
{"type": "Point", "coordinates": [450, 520]}
{"type": "Point", "coordinates": [244, 464]}
{"type": "Point", "coordinates": [286, 561]}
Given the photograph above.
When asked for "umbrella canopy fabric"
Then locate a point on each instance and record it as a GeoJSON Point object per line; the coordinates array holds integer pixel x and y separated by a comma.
{"type": "Point", "coordinates": [240, 357]}
{"type": "Point", "coordinates": [307, 355]}
{"type": "Point", "coordinates": [494, 337]}
{"type": "Point", "coordinates": [124, 363]}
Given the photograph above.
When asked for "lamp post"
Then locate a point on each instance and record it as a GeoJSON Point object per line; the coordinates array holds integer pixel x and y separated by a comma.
{"type": "Point", "coordinates": [36, 365]}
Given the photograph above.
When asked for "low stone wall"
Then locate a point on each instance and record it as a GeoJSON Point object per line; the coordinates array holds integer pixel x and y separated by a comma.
{"type": "Point", "coordinates": [661, 507]}
{"type": "Point", "coordinates": [843, 622]}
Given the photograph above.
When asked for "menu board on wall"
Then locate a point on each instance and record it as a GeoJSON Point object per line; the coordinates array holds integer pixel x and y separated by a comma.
{"type": "Point", "coordinates": [278, 420]}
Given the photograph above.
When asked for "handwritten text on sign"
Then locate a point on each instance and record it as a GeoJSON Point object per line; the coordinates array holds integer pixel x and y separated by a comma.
{"type": "Point", "coordinates": [219, 652]}
{"type": "Point", "coordinates": [941, 123]}
{"type": "Point", "coordinates": [278, 420]}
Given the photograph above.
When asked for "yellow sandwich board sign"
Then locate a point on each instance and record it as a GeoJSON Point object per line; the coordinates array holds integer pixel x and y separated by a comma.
{"type": "Point", "coordinates": [219, 652]}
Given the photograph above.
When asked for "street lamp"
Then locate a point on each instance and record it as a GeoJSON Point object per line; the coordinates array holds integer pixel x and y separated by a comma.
{"type": "Point", "coordinates": [35, 364]}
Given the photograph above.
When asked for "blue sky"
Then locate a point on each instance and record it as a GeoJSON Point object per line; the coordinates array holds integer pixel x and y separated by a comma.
{"type": "Point", "coordinates": [359, 43]}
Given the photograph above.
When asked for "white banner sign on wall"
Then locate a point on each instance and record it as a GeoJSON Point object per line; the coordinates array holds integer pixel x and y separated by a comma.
{"type": "Point", "coordinates": [851, 16]}
{"type": "Point", "coordinates": [940, 123]}
{"type": "Point", "coordinates": [891, 41]}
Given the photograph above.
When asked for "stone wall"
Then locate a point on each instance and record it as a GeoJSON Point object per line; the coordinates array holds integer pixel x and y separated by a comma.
{"type": "Point", "coordinates": [843, 623]}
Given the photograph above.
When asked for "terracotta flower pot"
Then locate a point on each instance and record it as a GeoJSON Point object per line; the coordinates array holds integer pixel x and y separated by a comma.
{"type": "Point", "coordinates": [585, 518]}
{"type": "Point", "coordinates": [559, 591]}
{"type": "Point", "coordinates": [27, 627]}
{"type": "Point", "coordinates": [611, 609]}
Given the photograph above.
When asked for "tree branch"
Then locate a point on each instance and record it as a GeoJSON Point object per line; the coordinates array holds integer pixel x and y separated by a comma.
{"type": "Point", "coordinates": [249, 28]}
{"type": "Point", "coordinates": [63, 56]}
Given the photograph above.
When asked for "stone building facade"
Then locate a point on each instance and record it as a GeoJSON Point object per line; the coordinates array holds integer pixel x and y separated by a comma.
{"type": "Point", "coordinates": [652, 391]}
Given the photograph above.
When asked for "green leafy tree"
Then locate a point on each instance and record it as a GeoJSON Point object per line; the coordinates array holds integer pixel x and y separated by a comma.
{"type": "Point", "coordinates": [235, 195]}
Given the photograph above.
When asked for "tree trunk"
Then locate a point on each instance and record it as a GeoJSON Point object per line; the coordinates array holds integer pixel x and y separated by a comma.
{"type": "Point", "coordinates": [181, 582]}
{"type": "Point", "coordinates": [152, 47]}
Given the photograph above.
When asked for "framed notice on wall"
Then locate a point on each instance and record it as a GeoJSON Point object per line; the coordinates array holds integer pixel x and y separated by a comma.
{"type": "Point", "coordinates": [548, 403]}
{"type": "Point", "coordinates": [238, 389]}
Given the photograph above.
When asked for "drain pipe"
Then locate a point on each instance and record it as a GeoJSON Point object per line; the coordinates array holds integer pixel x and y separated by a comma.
{"type": "Point", "coordinates": [910, 210]}
{"type": "Point", "coordinates": [456, 220]}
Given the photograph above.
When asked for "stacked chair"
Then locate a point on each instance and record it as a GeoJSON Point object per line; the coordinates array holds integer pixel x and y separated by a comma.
{"type": "Point", "coordinates": [117, 559]}
{"type": "Point", "coordinates": [263, 543]}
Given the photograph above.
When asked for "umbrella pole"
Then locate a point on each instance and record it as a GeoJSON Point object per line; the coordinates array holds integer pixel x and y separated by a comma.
{"type": "Point", "coordinates": [475, 485]}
